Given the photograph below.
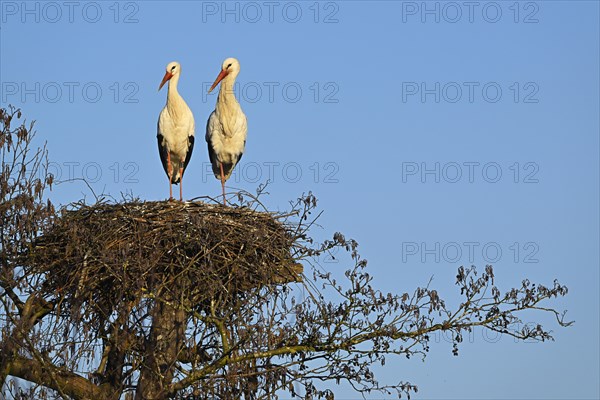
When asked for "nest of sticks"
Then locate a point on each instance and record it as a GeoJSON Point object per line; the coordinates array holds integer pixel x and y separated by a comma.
{"type": "Point", "coordinates": [103, 254]}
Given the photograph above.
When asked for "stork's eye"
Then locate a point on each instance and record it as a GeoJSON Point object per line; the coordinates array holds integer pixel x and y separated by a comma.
{"type": "Point", "coordinates": [229, 65]}
{"type": "Point", "coordinates": [173, 67]}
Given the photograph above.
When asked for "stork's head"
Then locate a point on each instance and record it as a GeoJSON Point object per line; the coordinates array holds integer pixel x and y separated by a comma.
{"type": "Point", "coordinates": [173, 68]}
{"type": "Point", "coordinates": [230, 67]}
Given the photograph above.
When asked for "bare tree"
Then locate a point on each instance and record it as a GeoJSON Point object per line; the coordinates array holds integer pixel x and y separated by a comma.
{"type": "Point", "coordinates": [156, 300]}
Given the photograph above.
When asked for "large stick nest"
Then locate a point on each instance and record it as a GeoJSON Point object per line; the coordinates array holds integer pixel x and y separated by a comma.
{"type": "Point", "coordinates": [105, 253]}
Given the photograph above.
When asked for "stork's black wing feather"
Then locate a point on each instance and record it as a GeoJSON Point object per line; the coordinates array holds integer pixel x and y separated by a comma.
{"type": "Point", "coordinates": [163, 152]}
{"type": "Point", "coordinates": [188, 156]}
{"type": "Point", "coordinates": [228, 167]}
{"type": "Point", "coordinates": [238, 159]}
{"type": "Point", "coordinates": [212, 156]}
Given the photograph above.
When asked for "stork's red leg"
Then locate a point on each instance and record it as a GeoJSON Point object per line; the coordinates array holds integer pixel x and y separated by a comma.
{"type": "Point", "coordinates": [223, 183]}
{"type": "Point", "coordinates": [181, 184]}
{"type": "Point", "coordinates": [169, 174]}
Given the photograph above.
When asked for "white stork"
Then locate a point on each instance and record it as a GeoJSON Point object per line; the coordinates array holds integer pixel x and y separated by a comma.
{"type": "Point", "coordinates": [227, 126]}
{"type": "Point", "coordinates": [175, 131]}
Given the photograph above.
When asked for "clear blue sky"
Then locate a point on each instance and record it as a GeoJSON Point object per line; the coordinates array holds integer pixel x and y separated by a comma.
{"type": "Point", "coordinates": [399, 116]}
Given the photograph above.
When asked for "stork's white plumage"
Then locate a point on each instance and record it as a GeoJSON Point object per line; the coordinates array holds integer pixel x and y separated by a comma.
{"type": "Point", "coordinates": [175, 131]}
{"type": "Point", "coordinates": [227, 126]}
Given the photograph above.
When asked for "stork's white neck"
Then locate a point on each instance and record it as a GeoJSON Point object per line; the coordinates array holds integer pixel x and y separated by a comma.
{"type": "Point", "coordinates": [172, 93]}
{"type": "Point", "coordinates": [174, 100]}
{"type": "Point", "coordinates": [227, 103]}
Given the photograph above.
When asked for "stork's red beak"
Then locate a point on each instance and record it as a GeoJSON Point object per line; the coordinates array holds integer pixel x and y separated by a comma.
{"type": "Point", "coordinates": [167, 76]}
{"type": "Point", "coordinates": [221, 76]}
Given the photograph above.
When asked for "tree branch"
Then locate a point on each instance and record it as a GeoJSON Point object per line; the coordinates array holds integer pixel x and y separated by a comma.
{"type": "Point", "coordinates": [64, 381]}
